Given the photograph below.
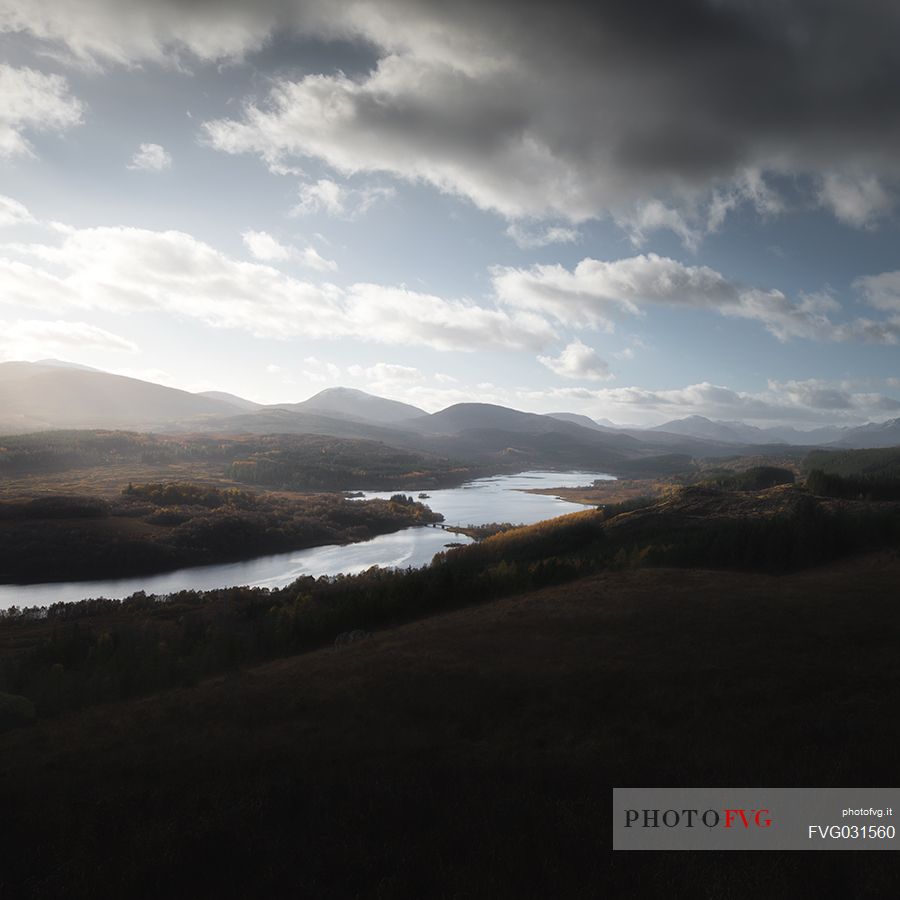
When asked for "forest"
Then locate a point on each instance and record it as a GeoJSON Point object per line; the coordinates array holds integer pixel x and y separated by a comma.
{"type": "Point", "coordinates": [855, 474]}
{"type": "Point", "coordinates": [157, 526]}
{"type": "Point", "coordinates": [883, 462]}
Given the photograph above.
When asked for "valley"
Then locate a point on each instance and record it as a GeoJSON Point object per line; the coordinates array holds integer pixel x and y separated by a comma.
{"type": "Point", "coordinates": [706, 592]}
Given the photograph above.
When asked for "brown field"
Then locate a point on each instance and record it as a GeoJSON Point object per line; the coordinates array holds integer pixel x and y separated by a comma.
{"type": "Point", "coordinates": [472, 754]}
{"type": "Point", "coordinates": [110, 480]}
{"type": "Point", "coordinates": [610, 492]}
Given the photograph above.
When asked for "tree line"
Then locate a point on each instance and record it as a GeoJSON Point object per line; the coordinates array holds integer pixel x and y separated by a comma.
{"type": "Point", "coordinates": [70, 655]}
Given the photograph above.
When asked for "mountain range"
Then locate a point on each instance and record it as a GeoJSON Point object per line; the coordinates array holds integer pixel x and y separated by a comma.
{"type": "Point", "coordinates": [51, 394]}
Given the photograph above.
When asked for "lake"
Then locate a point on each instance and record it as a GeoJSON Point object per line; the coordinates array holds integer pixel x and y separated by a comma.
{"type": "Point", "coordinates": [500, 498]}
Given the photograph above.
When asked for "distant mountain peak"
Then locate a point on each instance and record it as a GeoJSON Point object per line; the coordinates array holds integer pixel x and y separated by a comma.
{"type": "Point", "coordinates": [341, 391]}
{"type": "Point", "coordinates": [63, 364]}
{"type": "Point", "coordinates": [352, 403]}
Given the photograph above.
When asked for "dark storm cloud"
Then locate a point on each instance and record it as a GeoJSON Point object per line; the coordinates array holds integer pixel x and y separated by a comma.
{"type": "Point", "coordinates": [563, 109]}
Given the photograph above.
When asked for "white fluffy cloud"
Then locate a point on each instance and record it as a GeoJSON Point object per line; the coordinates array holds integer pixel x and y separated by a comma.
{"type": "Point", "coordinates": [35, 338]}
{"type": "Point", "coordinates": [327, 196]}
{"type": "Point", "coordinates": [416, 119]}
{"type": "Point", "coordinates": [646, 216]}
{"type": "Point", "coordinates": [881, 291]}
{"type": "Point", "coordinates": [398, 382]}
{"type": "Point", "coordinates": [13, 213]}
{"type": "Point", "coordinates": [412, 317]}
{"type": "Point", "coordinates": [151, 158]}
{"type": "Point", "coordinates": [577, 360]}
{"type": "Point", "coordinates": [323, 195]}
{"type": "Point", "coordinates": [266, 248]}
{"type": "Point", "coordinates": [263, 246]}
{"type": "Point", "coordinates": [858, 199]}
{"type": "Point", "coordinates": [529, 237]}
{"type": "Point", "coordinates": [33, 101]}
{"type": "Point", "coordinates": [129, 270]}
{"type": "Point", "coordinates": [386, 375]}
{"type": "Point", "coordinates": [312, 259]}
{"type": "Point", "coordinates": [315, 369]}
{"type": "Point", "coordinates": [596, 293]}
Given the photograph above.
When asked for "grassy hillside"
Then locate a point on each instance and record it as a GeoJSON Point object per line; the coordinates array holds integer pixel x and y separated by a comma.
{"type": "Point", "coordinates": [473, 754]}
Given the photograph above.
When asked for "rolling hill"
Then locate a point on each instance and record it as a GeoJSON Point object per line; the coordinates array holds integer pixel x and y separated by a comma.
{"type": "Point", "coordinates": [235, 401]}
{"type": "Point", "coordinates": [36, 397]}
{"type": "Point", "coordinates": [349, 403]}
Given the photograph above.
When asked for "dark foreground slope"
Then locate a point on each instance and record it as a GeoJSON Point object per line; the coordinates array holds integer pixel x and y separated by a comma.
{"type": "Point", "coordinates": [472, 754]}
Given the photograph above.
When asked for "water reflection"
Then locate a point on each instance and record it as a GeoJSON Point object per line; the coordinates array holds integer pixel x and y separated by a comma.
{"type": "Point", "coordinates": [501, 498]}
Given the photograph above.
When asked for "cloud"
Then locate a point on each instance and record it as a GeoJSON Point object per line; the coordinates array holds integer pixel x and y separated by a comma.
{"type": "Point", "coordinates": [13, 213]}
{"type": "Point", "coordinates": [312, 259]}
{"type": "Point", "coordinates": [324, 195]}
{"type": "Point", "coordinates": [444, 324]}
{"type": "Point", "coordinates": [33, 101]}
{"type": "Point", "coordinates": [98, 33]}
{"type": "Point", "coordinates": [416, 119]}
{"type": "Point", "coordinates": [811, 402]}
{"type": "Point", "coordinates": [266, 248]}
{"type": "Point", "coordinates": [657, 114]}
{"type": "Point", "coordinates": [263, 246]}
{"type": "Point", "coordinates": [151, 158]}
{"type": "Point", "coordinates": [859, 200]}
{"type": "Point", "coordinates": [881, 291]}
{"type": "Point", "coordinates": [577, 360]}
{"type": "Point", "coordinates": [134, 270]}
{"type": "Point", "coordinates": [661, 115]}
{"type": "Point", "coordinates": [315, 369]}
{"type": "Point", "coordinates": [327, 196]}
{"type": "Point", "coordinates": [34, 338]}
{"type": "Point", "coordinates": [651, 215]}
{"type": "Point", "coordinates": [387, 374]}
{"type": "Point", "coordinates": [530, 237]}
{"type": "Point", "coordinates": [596, 293]}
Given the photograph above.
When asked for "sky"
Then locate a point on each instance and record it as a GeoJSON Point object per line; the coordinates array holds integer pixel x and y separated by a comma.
{"type": "Point", "coordinates": [632, 211]}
